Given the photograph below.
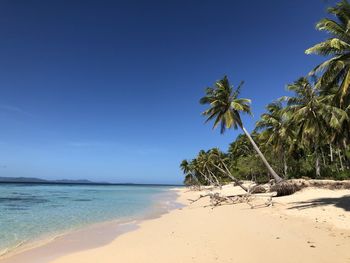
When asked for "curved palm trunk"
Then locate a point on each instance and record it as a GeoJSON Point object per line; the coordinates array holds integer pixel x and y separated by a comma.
{"type": "Point", "coordinates": [232, 177]}
{"type": "Point", "coordinates": [256, 148]}
{"type": "Point", "coordinates": [215, 178]}
{"type": "Point", "coordinates": [207, 178]}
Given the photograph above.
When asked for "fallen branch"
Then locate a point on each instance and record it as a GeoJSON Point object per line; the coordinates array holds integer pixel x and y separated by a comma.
{"type": "Point", "coordinates": [216, 199]}
{"type": "Point", "coordinates": [200, 197]}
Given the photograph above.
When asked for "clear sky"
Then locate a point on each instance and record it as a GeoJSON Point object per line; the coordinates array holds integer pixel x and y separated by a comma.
{"type": "Point", "coordinates": [109, 90]}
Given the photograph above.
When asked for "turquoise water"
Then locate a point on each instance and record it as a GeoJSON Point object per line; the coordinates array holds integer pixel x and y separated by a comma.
{"type": "Point", "coordinates": [31, 211]}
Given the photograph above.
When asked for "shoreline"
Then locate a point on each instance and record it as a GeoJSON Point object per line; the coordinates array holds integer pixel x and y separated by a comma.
{"type": "Point", "coordinates": [234, 233]}
{"type": "Point", "coordinates": [49, 247]}
{"type": "Point", "coordinates": [292, 230]}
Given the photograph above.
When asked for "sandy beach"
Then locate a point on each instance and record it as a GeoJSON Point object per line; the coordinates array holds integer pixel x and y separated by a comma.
{"type": "Point", "coordinates": [175, 131]}
{"type": "Point", "coordinates": [312, 225]}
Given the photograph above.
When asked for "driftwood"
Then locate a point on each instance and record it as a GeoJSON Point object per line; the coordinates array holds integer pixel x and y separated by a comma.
{"type": "Point", "coordinates": [272, 190]}
{"type": "Point", "coordinates": [217, 199]}
{"type": "Point", "coordinates": [200, 197]}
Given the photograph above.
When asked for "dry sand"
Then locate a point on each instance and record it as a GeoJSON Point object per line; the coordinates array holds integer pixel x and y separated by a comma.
{"type": "Point", "coordinates": [312, 225]}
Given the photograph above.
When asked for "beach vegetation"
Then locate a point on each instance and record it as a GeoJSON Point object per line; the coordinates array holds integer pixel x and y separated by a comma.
{"type": "Point", "coordinates": [305, 134]}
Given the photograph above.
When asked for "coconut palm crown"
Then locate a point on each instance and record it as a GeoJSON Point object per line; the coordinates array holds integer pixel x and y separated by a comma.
{"type": "Point", "coordinates": [225, 107]}
{"type": "Point", "coordinates": [335, 70]}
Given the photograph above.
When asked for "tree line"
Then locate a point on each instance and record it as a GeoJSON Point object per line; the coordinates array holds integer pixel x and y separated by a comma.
{"type": "Point", "coordinates": [304, 134]}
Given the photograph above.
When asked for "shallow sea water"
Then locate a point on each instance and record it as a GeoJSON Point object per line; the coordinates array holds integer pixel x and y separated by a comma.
{"type": "Point", "coordinates": [31, 211]}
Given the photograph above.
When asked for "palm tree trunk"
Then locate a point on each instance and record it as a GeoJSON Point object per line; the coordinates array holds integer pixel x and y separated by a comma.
{"type": "Point", "coordinates": [331, 152]}
{"type": "Point", "coordinates": [317, 163]}
{"type": "Point", "coordinates": [317, 167]}
{"type": "Point", "coordinates": [215, 178]}
{"type": "Point", "coordinates": [233, 178]}
{"type": "Point", "coordinates": [269, 168]}
{"type": "Point", "coordinates": [208, 179]}
{"type": "Point", "coordinates": [285, 166]}
{"type": "Point", "coordinates": [341, 161]}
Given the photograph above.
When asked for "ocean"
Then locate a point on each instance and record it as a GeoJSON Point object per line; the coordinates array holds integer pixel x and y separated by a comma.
{"type": "Point", "coordinates": [30, 212]}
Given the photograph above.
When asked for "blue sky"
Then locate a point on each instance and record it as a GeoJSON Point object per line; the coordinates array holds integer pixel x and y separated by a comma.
{"type": "Point", "coordinates": [109, 90]}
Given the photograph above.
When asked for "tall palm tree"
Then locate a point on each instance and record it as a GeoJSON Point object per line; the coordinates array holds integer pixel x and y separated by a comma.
{"type": "Point", "coordinates": [312, 116]}
{"type": "Point", "coordinates": [336, 69]}
{"type": "Point", "coordinates": [225, 108]}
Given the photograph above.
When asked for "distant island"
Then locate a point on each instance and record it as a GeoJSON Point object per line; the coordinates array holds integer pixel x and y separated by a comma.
{"type": "Point", "coordinates": [33, 180]}
{"type": "Point", "coordinates": [39, 180]}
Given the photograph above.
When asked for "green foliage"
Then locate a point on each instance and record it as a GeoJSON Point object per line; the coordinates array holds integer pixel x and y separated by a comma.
{"type": "Point", "coordinates": [248, 167]}
{"type": "Point", "coordinates": [305, 134]}
{"type": "Point", "coordinates": [336, 69]}
{"type": "Point", "coordinates": [225, 105]}
{"type": "Point", "coordinates": [343, 175]}
{"type": "Point", "coordinates": [240, 147]}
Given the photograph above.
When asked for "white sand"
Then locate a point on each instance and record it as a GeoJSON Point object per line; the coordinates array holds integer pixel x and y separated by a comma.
{"type": "Point", "coordinates": [319, 232]}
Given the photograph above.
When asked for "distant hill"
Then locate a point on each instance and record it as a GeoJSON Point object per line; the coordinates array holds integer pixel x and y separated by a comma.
{"type": "Point", "coordinates": [33, 180]}
{"type": "Point", "coordinates": [38, 180]}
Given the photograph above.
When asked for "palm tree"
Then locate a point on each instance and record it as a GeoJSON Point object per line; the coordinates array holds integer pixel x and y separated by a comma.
{"type": "Point", "coordinates": [225, 107]}
{"type": "Point", "coordinates": [190, 177]}
{"type": "Point", "coordinates": [274, 131]}
{"type": "Point", "coordinates": [240, 147]}
{"type": "Point", "coordinates": [204, 167]}
{"type": "Point", "coordinates": [336, 69]}
{"type": "Point", "coordinates": [312, 116]}
{"type": "Point", "coordinates": [185, 167]}
{"type": "Point", "coordinates": [220, 161]}
{"type": "Point", "coordinates": [196, 169]}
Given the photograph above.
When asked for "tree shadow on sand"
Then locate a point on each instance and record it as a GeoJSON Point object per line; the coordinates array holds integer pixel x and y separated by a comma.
{"type": "Point", "coordinates": [341, 202]}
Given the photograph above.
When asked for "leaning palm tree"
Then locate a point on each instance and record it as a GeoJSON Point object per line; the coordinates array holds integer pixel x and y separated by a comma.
{"type": "Point", "coordinates": [205, 168]}
{"type": "Point", "coordinates": [220, 161]}
{"type": "Point", "coordinates": [336, 69]}
{"type": "Point", "coordinates": [275, 133]}
{"type": "Point", "coordinates": [197, 169]}
{"type": "Point", "coordinates": [225, 108]}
